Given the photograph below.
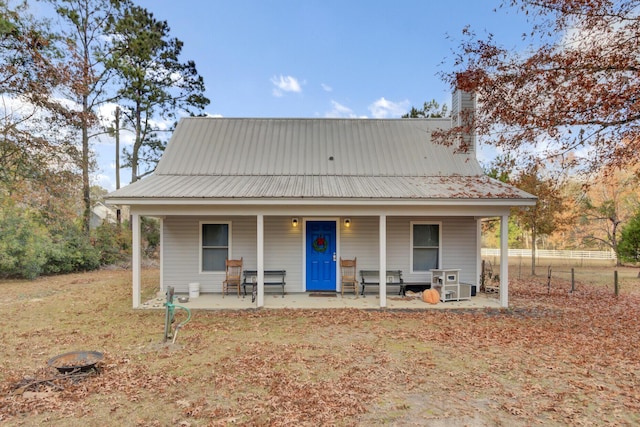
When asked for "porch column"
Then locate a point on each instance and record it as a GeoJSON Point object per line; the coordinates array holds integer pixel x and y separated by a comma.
{"type": "Point", "coordinates": [162, 254]}
{"type": "Point", "coordinates": [383, 261]}
{"type": "Point", "coordinates": [135, 259]}
{"type": "Point", "coordinates": [478, 253]}
{"type": "Point", "coordinates": [260, 260]}
{"type": "Point", "coordinates": [504, 261]}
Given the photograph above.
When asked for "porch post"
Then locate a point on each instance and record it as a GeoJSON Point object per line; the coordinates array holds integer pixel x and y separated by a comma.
{"type": "Point", "coordinates": [478, 252]}
{"type": "Point", "coordinates": [135, 258]}
{"type": "Point", "coordinates": [161, 254]}
{"type": "Point", "coordinates": [260, 260]}
{"type": "Point", "coordinates": [383, 261]}
{"type": "Point", "coordinates": [504, 261]}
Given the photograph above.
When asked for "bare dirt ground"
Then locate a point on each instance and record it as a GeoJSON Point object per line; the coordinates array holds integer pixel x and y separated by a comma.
{"type": "Point", "coordinates": [553, 358]}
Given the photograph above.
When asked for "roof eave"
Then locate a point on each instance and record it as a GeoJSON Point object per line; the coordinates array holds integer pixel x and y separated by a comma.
{"type": "Point", "coordinates": [309, 201]}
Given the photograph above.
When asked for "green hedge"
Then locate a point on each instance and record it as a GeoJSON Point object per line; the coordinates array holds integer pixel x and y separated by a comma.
{"type": "Point", "coordinates": [24, 243]}
{"type": "Point", "coordinates": [28, 248]}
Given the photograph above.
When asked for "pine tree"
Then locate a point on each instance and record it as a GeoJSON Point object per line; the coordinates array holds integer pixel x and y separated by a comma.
{"type": "Point", "coordinates": [152, 81]}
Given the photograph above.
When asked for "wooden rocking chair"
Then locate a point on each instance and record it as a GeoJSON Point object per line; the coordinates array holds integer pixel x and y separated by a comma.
{"type": "Point", "coordinates": [349, 281]}
{"type": "Point", "coordinates": [490, 281]}
{"type": "Point", "coordinates": [233, 269]}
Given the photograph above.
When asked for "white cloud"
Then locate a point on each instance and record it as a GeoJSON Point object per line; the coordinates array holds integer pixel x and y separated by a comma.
{"type": "Point", "coordinates": [339, 111]}
{"type": "Point", "coordinates": [103, 180]}
{"type": "Point", "coordinates": [285, 84]}
{"type": "Point", "coordinates": [106, 113]}
{"type": "Point", "coordinates": [383, 108]}
{"type": "Point", "coordinates": [326, 87]}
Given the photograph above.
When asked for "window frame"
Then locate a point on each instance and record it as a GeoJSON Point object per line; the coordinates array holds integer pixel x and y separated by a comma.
{"type": "Point", "coordinates": [412, 247]}
{"type": "Point", "coordinates": [201, 247]}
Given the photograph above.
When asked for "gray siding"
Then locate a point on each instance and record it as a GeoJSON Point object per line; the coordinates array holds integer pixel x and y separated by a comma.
{"type": "Point", "coordinates": [182, 252]}
{"type": "Point", "coordinates": [361, 241]}
{"type": "Point", "coordinates": [458, 246]}
{"type": "Point", "coordinates": [283, 248]}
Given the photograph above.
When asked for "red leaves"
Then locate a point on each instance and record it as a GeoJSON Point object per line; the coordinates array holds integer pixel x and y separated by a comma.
{"type": "Point", "coordinates": [572, 87]}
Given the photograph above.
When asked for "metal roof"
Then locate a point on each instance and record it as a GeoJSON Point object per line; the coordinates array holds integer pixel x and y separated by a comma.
{"type": "Point", "coordinates": [221, 158]}
{"type": "Point", "coordinates": [361, 147]}
{"type": "Point", "coordinates": [319, 187]}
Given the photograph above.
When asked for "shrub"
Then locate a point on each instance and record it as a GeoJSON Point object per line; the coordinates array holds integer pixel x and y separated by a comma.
{"type": "Point", "coordinates": [72, 251]}
{"type": "Point", "coordinates": [150, 231]}
{"type": "Point", "coordinates": [629, 246]}
{"type": "Point", "coordinates": [24, 243]}
{"type": "Point", "coordinates": [113, 243]}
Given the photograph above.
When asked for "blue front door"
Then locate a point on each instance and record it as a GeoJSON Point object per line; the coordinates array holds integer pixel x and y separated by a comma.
{"type": "Point", "coordinates": [321, 253]}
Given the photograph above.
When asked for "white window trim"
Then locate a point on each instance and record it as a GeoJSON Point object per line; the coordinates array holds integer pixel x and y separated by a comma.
{"type": "Point", "coordinates": [411, 224]}
{"type": "Point", "coordinates": [229, 252]}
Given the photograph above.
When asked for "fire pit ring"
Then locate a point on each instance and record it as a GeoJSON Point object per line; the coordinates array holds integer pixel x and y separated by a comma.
{"type": "Point", "coordinates": [75, 361]}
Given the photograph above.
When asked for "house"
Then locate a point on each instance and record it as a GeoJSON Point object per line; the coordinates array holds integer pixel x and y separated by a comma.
{"type": "Point", "coordinates": [100, 213]}
{"type": "Point", "coordinates": [265, 189]}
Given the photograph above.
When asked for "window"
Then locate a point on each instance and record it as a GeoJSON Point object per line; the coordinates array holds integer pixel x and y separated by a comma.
{"type": "Point", "coordinates": [215, 246]}
{"type": "Point", "coordinates": [425, 246]}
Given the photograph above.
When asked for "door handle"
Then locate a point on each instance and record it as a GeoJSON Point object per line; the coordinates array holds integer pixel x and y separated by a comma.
{"type": "Point", "coordinates": [334, 257]}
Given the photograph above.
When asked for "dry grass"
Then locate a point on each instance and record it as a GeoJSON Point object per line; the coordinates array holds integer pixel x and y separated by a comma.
{"type": "Point", "coordinates": [553, 358]}
{"type": "Point", "coordinates": [588, 274]}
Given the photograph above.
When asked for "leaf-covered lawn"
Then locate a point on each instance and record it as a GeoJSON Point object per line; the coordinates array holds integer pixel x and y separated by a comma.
{"type": "Point", "coordinates": [551, 359]}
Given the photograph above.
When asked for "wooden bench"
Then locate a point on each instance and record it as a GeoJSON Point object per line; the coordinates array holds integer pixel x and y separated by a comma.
{"type": "Point", "coordinates": [271, 278]}
{"type": "Point", "coordinates": [372, 277]}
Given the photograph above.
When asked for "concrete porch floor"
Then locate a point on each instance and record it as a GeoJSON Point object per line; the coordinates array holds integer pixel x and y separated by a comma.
{"type": "Point", "coordinates": [304, 300]}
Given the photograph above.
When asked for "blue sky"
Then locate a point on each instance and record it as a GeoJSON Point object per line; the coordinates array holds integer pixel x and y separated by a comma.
{"type": "Point", "coordinates": [322, 58]}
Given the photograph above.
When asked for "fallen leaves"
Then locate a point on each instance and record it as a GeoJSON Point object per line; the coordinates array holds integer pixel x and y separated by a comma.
{"type": "Point", "coordinates": [552, 358]}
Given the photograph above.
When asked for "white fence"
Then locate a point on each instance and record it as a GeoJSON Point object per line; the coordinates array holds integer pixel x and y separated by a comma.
{"type": "Point", "coordinates": [544, 253]}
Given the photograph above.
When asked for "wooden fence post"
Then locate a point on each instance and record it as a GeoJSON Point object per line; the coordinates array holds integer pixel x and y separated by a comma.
{"type": "Point", "coordinates": [549, 280]}
{"type": "Point", "coordinates": [573, 280]}
{"type": "Point", "coordinates": [520, 269]}
{"type": "Point", "coordinates": [616, 288]}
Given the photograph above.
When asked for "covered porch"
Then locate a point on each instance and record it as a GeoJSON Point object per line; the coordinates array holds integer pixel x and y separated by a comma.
{"type": "Point", "coordinates": [274, 228]}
